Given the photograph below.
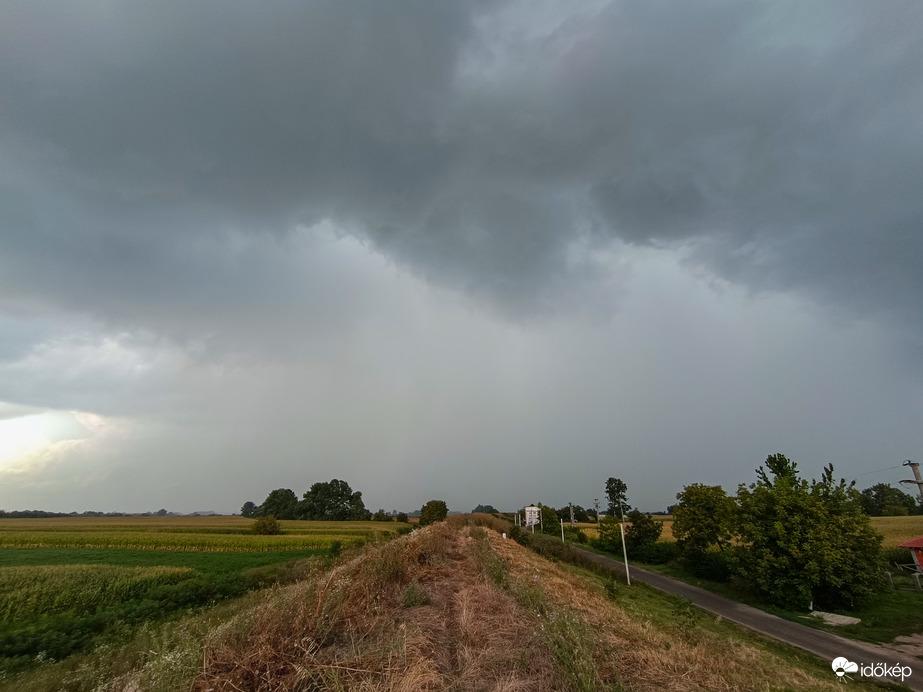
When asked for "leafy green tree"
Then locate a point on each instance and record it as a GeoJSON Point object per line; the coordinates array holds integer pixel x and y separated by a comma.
{"type": "Point", "coordinates": [610, 535]}
{"type": "Point", "coordinates": [703, 518]}
{"type": "Point", "coordinates": [484, 509]}
{"type": "Point", "coordinates": [248, 510]}
{"type": "Point", "coordinates": [332, 501]}
{"type": "Point", "coordinates": [580, 515]}
{"type": "Point", "coordinates": [806, 543]}
{"type": "Point", "coordinates": [641, 534]}
{"type": "Point", "coordinates": [357, 510]}
{"type": "Point", "coordinates": [616, 491]}
{"type": "Point", "coordinates": [401, 517]}
{"type": "Point", "coordinates": [433, 511]}
{"type": "Point", "coordinates": [550, 521]}
{"type": "Point", "coordinates": [883, 500]}
{"type": "Point", "coordinates": [381, 515]}
{"type": "Point", "coordinates": [281, 503]}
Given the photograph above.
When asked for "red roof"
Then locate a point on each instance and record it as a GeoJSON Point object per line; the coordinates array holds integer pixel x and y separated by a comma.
{"type": "Point", "coordinates": [912, 543]}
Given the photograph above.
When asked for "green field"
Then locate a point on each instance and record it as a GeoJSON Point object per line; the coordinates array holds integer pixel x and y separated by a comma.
{"type": "Point", "coordinates": [70, 584]}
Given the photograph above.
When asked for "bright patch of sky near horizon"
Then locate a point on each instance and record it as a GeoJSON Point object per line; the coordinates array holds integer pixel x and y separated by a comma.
{"type": "Point", "coordinates": [490, 253]}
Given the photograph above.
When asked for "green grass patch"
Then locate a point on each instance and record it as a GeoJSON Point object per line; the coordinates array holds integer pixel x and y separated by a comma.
{"type": "Point", "coordinates": [60, 602]}
{"type": "Point", "coordinates": [35, 590]}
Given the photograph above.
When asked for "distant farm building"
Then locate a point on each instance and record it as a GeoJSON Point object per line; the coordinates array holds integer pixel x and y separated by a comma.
{"type": "Point", "coordinates": [916, 547]}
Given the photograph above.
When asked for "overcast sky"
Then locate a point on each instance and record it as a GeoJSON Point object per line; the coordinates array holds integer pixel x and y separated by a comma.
{"type": "Point", "coordinates": [481, 252]}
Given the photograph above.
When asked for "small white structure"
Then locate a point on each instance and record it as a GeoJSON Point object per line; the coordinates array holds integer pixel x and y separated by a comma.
{"type": "Point", "coordinates": [533, 515]}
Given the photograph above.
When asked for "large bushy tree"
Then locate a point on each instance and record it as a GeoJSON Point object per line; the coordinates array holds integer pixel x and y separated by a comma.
{"type": "Point", "coordinates": [641, 534]}
{"type": "Point", "coordinates": [881, 500]}
{"type": "Point", "coordinates": [281, 503]}
{"type": "Point", "coordinates": [703, 518]}
{"type": "Point", "coordinates": [248, 510]}
{"type": "Point", "coordinates": [332, 501]}
{"type": "Point", "coordinates": [433, 511]}
{"type": "Point", "coordinates": [806, 543]}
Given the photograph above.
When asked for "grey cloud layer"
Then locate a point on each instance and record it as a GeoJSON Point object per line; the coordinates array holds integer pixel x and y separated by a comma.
{"type": "Point", "coordinates": [478, 144]}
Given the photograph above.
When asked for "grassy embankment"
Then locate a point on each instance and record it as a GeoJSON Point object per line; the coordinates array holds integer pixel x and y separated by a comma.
{"type": "Point", "coordinates": [450, 606]}
{"type": "Point", "coordinates": [893, 613]}
{"type": "Point", "coordinates": [68, 585]}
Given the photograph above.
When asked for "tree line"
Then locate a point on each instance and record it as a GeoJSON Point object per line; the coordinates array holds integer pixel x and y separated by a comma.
{"type": "Point", "coordinates": [794, 542]}
{"type": "Point", "coordinates": [330, 501]}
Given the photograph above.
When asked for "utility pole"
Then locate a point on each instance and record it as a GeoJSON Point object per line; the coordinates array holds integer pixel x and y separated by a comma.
{"type": "Point", "coordinates": [915, 467]}
{"type": "Point", "coordinates": [624, 549]}
{"type": "Point", "coordinates": [571, 504]}
{"type": "Point", "coordinates": [596, 503]}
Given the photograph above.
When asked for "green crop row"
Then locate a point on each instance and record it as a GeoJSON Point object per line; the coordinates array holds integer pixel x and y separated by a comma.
{"type": "Point", "coordinates": [30, 591]}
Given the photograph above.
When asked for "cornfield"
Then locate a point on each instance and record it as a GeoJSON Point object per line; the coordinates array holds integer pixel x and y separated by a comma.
{"type": "Point", "coordinates": [205, 534]}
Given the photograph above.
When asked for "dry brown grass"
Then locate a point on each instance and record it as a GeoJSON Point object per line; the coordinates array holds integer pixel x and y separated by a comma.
{"type": "Point", "coordinates": [349, 630]}
{"type": "Point", "coordinates": [657, 658]}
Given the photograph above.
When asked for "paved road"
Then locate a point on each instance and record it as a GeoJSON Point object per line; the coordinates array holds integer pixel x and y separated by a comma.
{"type": "Point", "coordinates": [827, 646]}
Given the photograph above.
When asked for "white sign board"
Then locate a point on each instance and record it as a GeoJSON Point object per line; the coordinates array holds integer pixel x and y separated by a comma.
{"type": "Point", "coordinates": [533, 515]}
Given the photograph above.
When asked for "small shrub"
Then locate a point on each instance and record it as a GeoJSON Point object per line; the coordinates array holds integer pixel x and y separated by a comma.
{"type": "Point", "coordinates": [521, 536]}
{"type": "Point", "coordinates": [713, 565]}
{"type": "Point", "coordinates": [336, 547]}
{"type": "Point", "coordinates": [401, 517]}
{"type": "Point", "coordinates": [612, 589]}
{"type": "Point", "coordinates": [266, 526]}
{"type": "Point", "coordinates": [658, 553]}
{"type": "Point", "coordinates": [686, 617]}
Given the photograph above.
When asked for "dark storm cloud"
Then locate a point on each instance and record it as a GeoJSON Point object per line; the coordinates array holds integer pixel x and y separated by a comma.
{"type": "Point", "coordinates": [479, 144]}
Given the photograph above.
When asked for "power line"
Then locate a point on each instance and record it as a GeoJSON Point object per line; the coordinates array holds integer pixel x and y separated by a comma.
{"type": "Point", "coordinates": [868, 473]}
